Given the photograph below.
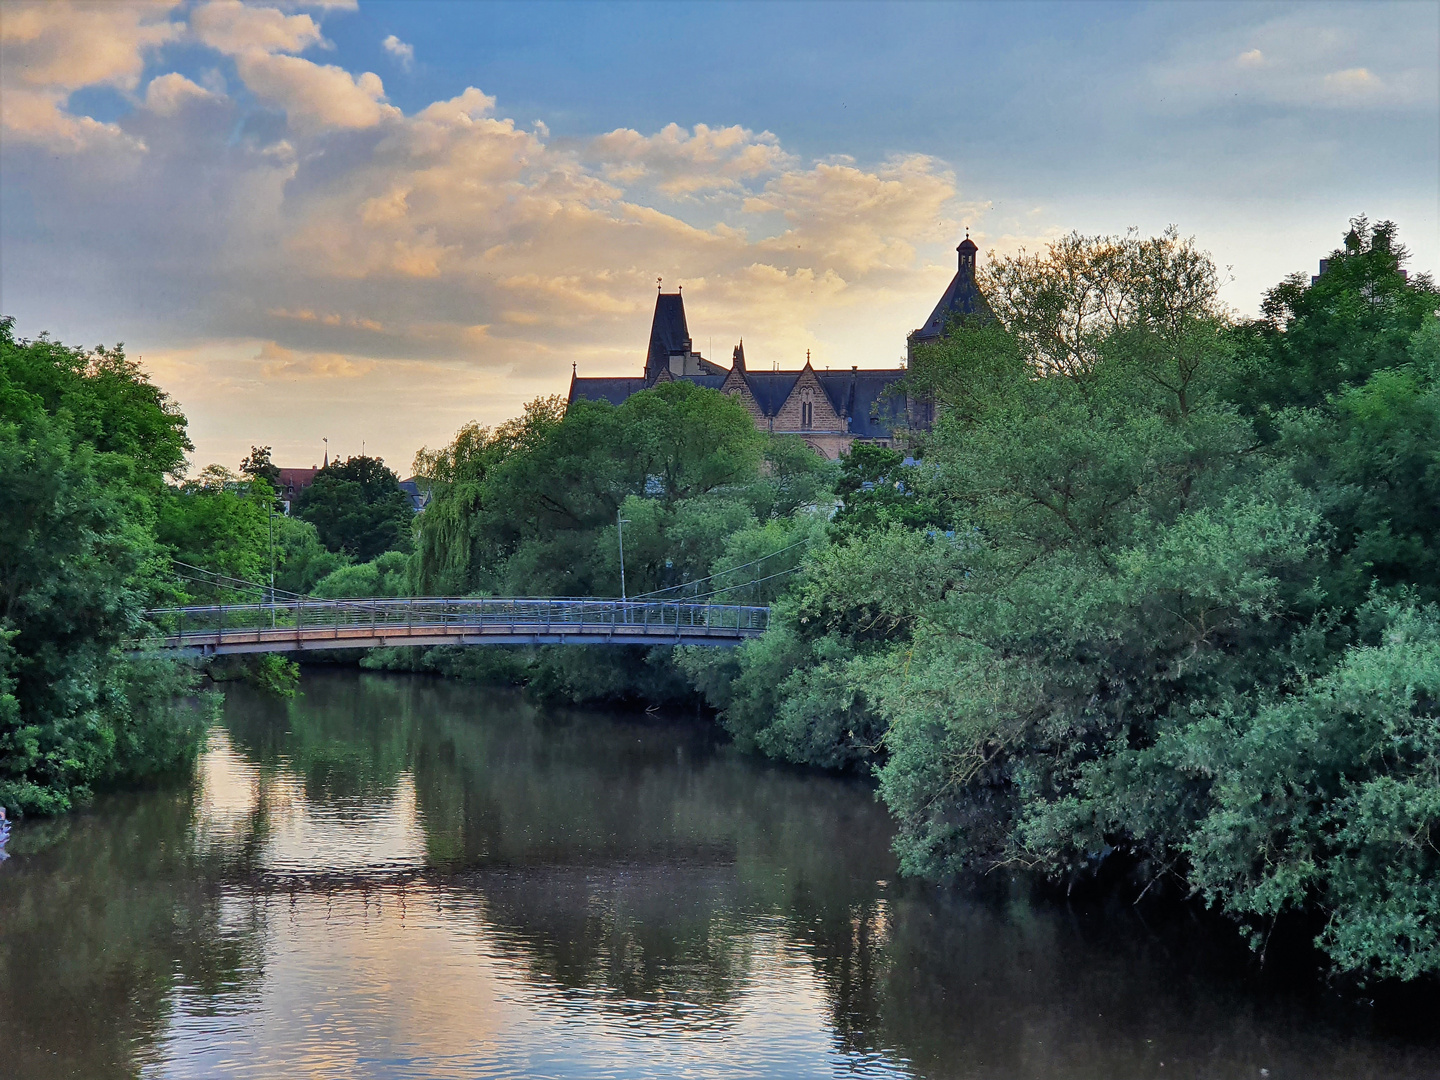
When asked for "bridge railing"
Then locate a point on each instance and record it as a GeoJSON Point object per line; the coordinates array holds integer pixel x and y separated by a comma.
{"type": "Point", "coordinates": [309, 618]}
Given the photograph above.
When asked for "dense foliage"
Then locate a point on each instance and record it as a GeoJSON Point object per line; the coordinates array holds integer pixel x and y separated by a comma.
{"type": "Point", "coordinates": [1158, 600]}
{"type": "Point", "coordinates": [219, 523]}
{"type": "Point", "coordinates": [357, 508]}
{"type": "Point", "coordinates": [85, 443]}
{"type": "Point", "coordinates": [535, 508]}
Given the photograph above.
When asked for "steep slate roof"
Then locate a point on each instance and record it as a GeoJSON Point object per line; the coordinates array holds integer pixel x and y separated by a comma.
{"type": "Point", "coordinates": [771, 388]}
{"type": "Point", "coordinates": [859, 395]}
{"type": "Point", "coordinates": [668, 332]}
{"type": "Point", "coordinates": [613, 390]}
{"type": "Point", "coordinates": [961, 298]}
{"type": "Point", "coordinates": [713, 369]}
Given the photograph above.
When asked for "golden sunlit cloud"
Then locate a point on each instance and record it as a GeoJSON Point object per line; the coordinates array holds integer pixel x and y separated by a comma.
{"type": "Point", "coordinates": [282, 363]}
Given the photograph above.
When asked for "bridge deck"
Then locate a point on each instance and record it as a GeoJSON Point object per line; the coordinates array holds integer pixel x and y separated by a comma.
{"type": "Point", "coordinates": [297, 626]}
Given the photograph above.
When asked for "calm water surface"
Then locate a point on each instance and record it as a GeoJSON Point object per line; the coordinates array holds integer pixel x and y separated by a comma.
{"type": "Point", "coordinates": [399, 877]}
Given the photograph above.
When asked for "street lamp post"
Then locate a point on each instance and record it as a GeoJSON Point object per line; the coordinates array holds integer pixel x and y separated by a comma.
{"type": "Point", "coordinates": [620, 524]}
{"type": "Point", "coordinates": [272, 560]}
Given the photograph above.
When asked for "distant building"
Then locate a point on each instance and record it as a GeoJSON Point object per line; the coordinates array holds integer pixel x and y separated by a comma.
{"type": "Point", "coordinates": [962, 298]}
{"type": "Point", "coordinates": [292, 482]}
{"type": "Point", "coordinates": [418, 496]}
{"type": "Point", "coordinates": [830, 410]}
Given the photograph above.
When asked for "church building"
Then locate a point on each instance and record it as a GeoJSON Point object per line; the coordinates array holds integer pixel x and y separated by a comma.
{"type": "Point", "coordinates": [830, 410]}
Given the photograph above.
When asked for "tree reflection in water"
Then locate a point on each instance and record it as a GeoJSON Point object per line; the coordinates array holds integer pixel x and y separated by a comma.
{"type": "Point", "coordinates": [397, 876]}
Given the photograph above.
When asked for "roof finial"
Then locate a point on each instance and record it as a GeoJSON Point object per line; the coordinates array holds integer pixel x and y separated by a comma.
{"type": "Point", "coordinates": [572, 367]}
{"type": "Point", "coordinates": [658, 280]}
{"type": "Point", "coordinates": [807, 357]}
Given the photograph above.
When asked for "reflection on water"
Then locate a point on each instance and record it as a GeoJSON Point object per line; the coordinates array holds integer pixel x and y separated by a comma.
{"type": "Point", "coordinates": [395, 877]}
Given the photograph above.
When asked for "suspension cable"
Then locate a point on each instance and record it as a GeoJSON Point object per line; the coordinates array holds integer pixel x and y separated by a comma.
{"type": "Point", "coordinates": [722, 573]}
{"type": "Point", "coordinates": [742, 585]}
{"type": "Point", "coordinates": [213, 578]}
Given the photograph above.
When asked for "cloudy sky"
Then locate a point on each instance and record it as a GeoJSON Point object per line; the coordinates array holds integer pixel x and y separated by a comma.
{"type": "Point", "coordinates": [373, 222]}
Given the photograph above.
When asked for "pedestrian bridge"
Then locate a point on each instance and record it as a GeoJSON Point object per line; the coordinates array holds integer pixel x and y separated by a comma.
{"type": "Point", "coordinates": [305, 624]}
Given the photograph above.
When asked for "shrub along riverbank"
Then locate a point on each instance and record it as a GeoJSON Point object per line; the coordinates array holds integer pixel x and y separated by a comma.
{"type": "Point", "coordinates": [1156, 599]}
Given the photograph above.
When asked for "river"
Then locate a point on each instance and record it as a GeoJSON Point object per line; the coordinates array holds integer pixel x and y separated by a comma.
{"type": "Point", "coordinates": [398, 876]}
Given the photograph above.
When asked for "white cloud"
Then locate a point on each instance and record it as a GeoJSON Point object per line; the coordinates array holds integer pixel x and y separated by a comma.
{"type": "Point", "coordinates": [263, 40]}
{"type": "Point", "coordinates": [681, 162]}
{"type": "Point", "coordinates": [314, 95]}
{"type": "Point", "coordinates": [401, 51]}
{"type": "Point", "coordinates": [168, 94]}
{"type": "Point", "coordinates": [859, 220]}
{"type": "Point", "coordinates": [1252, 58]}
{"type": "Point", "coordinates": [50, 49]}
{"type": "Point", "coordinates": [233, 27]}
{"type": "Point", "coordinates": [1353, 80]}
{"type": "Point", "coordinates": [65, 45]}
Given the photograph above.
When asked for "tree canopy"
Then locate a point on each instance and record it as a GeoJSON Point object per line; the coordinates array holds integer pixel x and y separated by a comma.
{"type": "Point", "coordinates": [1156, 600]}
{"type": "Point", "coordinates": [85, 443]}
{"type": "Point", "coordinates": [357, 507]}
{"type": "Point", "coordinates": [534, 507]}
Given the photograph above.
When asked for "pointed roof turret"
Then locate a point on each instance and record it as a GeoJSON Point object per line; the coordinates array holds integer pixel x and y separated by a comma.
{"type": "Point", "coordinates": [668, 333]}
{"type": "Point", "coordinates": [737, 358]}
{"type": "Point", "coordinates": [961, 298]}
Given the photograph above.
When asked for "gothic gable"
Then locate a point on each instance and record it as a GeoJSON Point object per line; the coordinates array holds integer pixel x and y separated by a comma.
{"type": "Point", "coordinates": [736, 385]}
{"type": "Point", "coordinates": [808, 407]}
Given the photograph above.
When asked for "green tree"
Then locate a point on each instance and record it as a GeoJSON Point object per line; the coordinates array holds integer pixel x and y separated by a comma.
{"type": "Point", "coordinates": [387, 575]}
{"type": "Point", "coordinates": [1129, 559]}
{"type": "Point", "coordinates": [877, 489]}
{"type": "Point", "coordinates": [357, 507]}
{"type": "Point", "coordinates": [220, 523]}
{"type": "Point", "coordinates": [1178, 630]}
{"type": "Point", "coordinates": [258, 464]}
{"type": "Point", "coordinates": [84, 442]}
{"type": "Point", "coordinates": [1369, 453]}
{"type": "Point", "coordinates": [531, 508]}
{"type": "Point", "coordinates": [1357, 318]}
{"type": "Point", "coordinates": [301, 561]}
{"type": "Point", "coordinates": [109, 402]}
{"type": "Point", "coordinates": [451, 545]}
{"type": "Point", "coordinates": [1330, 797]}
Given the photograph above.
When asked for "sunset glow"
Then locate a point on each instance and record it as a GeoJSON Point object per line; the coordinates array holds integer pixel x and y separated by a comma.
{"type": "Point", "coordinates": [376, 222]}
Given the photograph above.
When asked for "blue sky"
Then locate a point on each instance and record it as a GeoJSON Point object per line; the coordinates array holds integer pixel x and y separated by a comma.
{"type": "Point", "coordinates": [309, 232]}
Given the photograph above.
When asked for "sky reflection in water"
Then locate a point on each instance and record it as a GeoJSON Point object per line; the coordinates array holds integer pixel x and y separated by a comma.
{"type": "Point", "coordinates": [396, 877]}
